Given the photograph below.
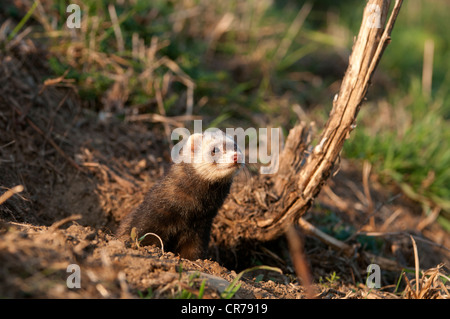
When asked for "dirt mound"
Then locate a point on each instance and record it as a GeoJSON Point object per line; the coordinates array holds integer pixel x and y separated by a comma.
{"type": "Point", "coordinates": [82, 174]}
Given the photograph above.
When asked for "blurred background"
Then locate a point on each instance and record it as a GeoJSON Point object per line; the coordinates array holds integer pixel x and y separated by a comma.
{"type": "Point", "coordinates": [258, 63]}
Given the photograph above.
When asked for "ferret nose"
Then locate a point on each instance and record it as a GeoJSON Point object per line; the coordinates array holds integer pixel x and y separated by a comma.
{"type": "Point", "coordinates": [235, 157]}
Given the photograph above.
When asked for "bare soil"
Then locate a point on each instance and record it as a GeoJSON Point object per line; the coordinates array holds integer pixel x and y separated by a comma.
{"type": "Point", "coordinates": [82, 175]}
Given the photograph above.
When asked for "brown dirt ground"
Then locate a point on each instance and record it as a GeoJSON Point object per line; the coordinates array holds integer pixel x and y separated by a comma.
{"type": "Point", "coordinates": [82, 175]}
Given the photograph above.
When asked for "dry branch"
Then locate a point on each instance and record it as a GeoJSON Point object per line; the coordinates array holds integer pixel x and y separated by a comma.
{"type": "Point", "coordinates": [302, 175]}
{"type": "Point", "coordinates": [10, 192]}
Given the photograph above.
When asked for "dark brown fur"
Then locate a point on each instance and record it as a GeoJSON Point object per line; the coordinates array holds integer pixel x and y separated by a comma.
{"type": "Point", "coordinates": [180, 209]}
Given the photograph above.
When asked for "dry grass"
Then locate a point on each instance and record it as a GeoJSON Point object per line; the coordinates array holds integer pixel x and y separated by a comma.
{"type": "Point", "coordinates": [432, 284]}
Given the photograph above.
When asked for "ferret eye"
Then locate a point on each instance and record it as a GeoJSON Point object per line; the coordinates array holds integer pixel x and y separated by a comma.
{"type": "Point", "coordinates": [214, 151]}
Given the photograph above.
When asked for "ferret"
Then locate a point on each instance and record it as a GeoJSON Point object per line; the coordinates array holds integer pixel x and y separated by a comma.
{"type": "Point", "coordinates": [180, 207]}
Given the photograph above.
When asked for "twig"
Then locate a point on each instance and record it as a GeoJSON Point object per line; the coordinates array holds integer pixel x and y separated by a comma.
{"type": "Point", "coordinates": [429, 219]}
{"type": "Point", "coordinates": [376, 210]}
{"type": "Point", "coordinates": [61, 222]}
{"type": "Point", "coordinates": [311, 230]}
{"type": "Point", "coordinates": [400, 233]}
{"type": "Point", "coordinates": [427, 71]}
{"type": "Point", "coordinates": [299, 260]}
{"type": "Point", "coordinates": [116, 28]}
{"type": "Point", "coordinates": [162, 111]}
{"type": "Point", "coordinates": [416, 263]}
{"type": "Point", "coordinates": [408, 283]}
{"type": "Point", "coordinates": [56, 81]}
{"type": "Point", "coordinates": [153, 234]}
{"type": "Point", "coordinates": [10, 192]}
{"type": "Point", "coordinates": [366, 175]}
{"type": "Point", "coordinates": [172, 120]}
{"type": "Point", "coordinates": [24, 225]}
{"type": "Point", "coordinates": [391, 219]}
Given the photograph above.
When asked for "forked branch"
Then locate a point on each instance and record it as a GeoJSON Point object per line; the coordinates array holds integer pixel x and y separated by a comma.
{"type": "Point", "coordinates": [302, 175]}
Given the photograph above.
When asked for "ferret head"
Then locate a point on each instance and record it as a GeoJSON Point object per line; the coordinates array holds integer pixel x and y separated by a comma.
{"type": "Point", "coordinates": [214, 155]}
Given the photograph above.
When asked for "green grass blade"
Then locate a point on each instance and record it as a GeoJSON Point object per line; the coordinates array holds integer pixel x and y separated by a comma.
{"type": "Point", "coordinates": [22, 22]}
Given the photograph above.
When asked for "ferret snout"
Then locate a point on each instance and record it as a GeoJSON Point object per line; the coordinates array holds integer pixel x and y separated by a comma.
{"type": "Point", "coordinates": [237, 157]}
